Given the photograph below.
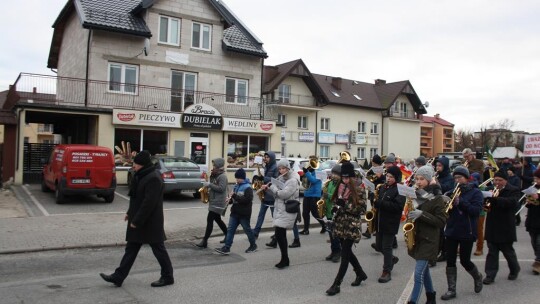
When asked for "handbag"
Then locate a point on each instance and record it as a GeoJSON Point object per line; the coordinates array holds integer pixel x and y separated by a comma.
{"type": "Point", "coordinates": [292, 206]}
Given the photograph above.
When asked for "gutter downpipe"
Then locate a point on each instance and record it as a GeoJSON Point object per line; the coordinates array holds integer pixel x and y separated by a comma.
{"type": "Point", "coordinates": [87, 68]}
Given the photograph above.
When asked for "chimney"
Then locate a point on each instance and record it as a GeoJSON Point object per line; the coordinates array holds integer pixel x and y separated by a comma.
{"type": "Point", "coordinates": [336, 83]}
{"type": "Point", "coordinates": [380, 82]}
{"type": "Point", "coordinates": [437, 115]}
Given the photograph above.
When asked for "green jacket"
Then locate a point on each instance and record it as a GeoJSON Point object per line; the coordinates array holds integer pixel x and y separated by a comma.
{"type": "Point", "coordinates": [331, 187]}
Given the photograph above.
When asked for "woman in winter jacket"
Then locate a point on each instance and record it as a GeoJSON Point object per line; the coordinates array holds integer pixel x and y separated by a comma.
{"type": "Point", "coordinates": [461, 232]}
{"type": "Point", "coordinates": [217, 193]}
{"type": "Point", "coordinates": [429, 217]}
{"type": "Point", "coordinates": [532, 223]}
{"type": "Point", "coordinates": [283, 219]}
{"type": "Point", "coordinates": [347, 225]}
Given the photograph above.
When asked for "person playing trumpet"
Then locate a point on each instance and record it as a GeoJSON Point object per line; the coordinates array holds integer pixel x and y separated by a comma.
{"type": "Point", "coordinates": [461, 231]}
{"type": "Point", "coordinates": [501, 228]}
{"type": "Point", "coordinates": [532, 223]}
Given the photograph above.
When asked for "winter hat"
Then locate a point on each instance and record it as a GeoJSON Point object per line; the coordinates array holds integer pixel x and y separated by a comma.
{"type": "Point", "coordinates": [426, 172]}
{"type": "Point", "coordinates": [390, 159]}
{"type": "Point", "coordinates": [461, 171]}
{"type": "Point", "coordinates": [240, 173]}
{"type": "Point", "coordinates": [501, 174]}
{"type": "Point", "coordinates": [420, 160]}
{"type": "Point", "coordinates": [476, 176]}
{"type": "Point", "coordinates": [142, 158]}
{"type": "Point", "coordinates": [377, 159]}
{"type": "Point", "coordinates": [396, 173]}
{"type": "Point", "coordinates": [218, 162]}
{"type": "Point", "coordinates": [537, 173]}
{"type": "Point", "coordinates": [336, 169]}
{"type": "Point", "coordinates": [284, 163]}
{"type": "Point", "coordinates": [347, 169]}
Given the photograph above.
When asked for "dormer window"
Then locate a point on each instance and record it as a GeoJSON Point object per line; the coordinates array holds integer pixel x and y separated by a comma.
{"type": "Point", "coordinates": [169, 30]}
{"type": "Point", "coordinates": [335, 93]}
{"type": "Point", "coordinates": [201, 36]}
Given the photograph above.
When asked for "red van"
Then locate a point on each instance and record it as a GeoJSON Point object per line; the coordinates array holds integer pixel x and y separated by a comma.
{"type": "Point", "coordinates": [80, 169]}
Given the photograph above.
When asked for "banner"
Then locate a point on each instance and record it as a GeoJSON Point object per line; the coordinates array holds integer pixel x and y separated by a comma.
{"type": "Point", "coordinates": [531, 145]}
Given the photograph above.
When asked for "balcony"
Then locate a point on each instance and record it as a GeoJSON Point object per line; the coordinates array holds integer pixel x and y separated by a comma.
{"type": "Point", "coordinates": [45, 129]}
{"type": "Point", "coordinates": [53, 91]}
{"type": "Point", "coordinates": [293, 100]}
{"type": "Point", "coordinates": [407, 115]}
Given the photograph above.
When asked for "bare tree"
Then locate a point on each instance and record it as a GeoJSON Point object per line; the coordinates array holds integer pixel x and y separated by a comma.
{"type": "Point", "coordinates": [463, 139]}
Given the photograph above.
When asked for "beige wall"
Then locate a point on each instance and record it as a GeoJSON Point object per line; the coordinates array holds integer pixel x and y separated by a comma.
{"type": "Point", "coordinates": [291, 132]}
{"type": "Point", "coordinates": [402, 137]}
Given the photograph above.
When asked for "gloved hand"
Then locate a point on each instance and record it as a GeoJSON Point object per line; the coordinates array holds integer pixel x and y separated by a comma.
{"type": "Point", "coordinates": [304, 169]}
{"type": "Point", "coordinates": [298, 217]}
{"type": "Point", "coordinates": [311, 170]}
{"type": "Point", "coordinates": [205, 184]}
{"type": "Point", "coordinates": [413, 215]}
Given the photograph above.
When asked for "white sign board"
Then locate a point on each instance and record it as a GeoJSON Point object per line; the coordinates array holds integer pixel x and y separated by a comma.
{"type": "Point", "coordinates": [146, 118]}
{"type": "Point", "coordinates": [248, 125]}
{"type": "Point", "coordinates": [531, 146]}
{"type": "Point", "coordinates": [368, 184]}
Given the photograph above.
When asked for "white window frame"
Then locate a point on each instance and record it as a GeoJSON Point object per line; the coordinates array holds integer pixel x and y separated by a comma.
{"type": "Point", "coordinates": [284, 93]}
{"type": "Point", "coordinates": [183, 91]}
{"type": "Point", "coordinates": [403, 109]}
{"type": "Point", "coordinates": [372, 152]}
{"type": "Point", "coordinates": [201, 36]}
{"type": "Point", "coordinates": [302, 122]}
{"type": "Point", "coordinates": [325, 124]}
{"type": "Point", "coordinates": [122, 84]}
{"type": "Point", "coordinates": [361, 153]}
{"type": "Point", "coordinates": [374, 128]}
{"type": "Point", "coordinates": [169, 30]}
{"type": "Point", "coordinates": [361, 127]}
{"type": "Point", "coordinates": [282, 119]}
{"type": "Point", "coordinates": [324, 151]}
{"type": "Point", "coordinates": [236, 97]}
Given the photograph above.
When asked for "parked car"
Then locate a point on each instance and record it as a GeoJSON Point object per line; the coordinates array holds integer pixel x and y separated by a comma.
{"type": "Point", "coordinates": [327, 166]}
{"type": "Point", "coordinates": [80, 169]}
{"type": "Point", "coordinates": [180, 174]}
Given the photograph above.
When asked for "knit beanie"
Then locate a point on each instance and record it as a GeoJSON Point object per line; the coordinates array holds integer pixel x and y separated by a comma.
{"type": "Point", "coordinates": [347, 169]}
{"type": "Point", "coordinates": [501, 174]}
{"type": "Point", "coordinates": [142, 158]}
{"type": "Point", "coordinates": [218, 162]}
{"type": "Point", "coordinates": [426, 172]}
{"type": "Point", "coordinates": [396, 173]}
{"type": "Point", "coordinates": [420, 160]}
{"type": "Point", "coordinates": [461, 171]}
{"type": "Point", "coordinates": [240, 173]}
{"type": "Point", "coordinates": [336, 169]}
{"type": "Point", "coordinates": [390, 159]}
{"type": "Point", "coordinates": [377, 159]}
{"type": "Point", "coordinates": [284, 163]}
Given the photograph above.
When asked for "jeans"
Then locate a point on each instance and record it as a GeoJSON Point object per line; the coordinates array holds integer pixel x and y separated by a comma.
{"type": "Point", "coordinates": [295, 231]}
{"type": "Point", "coordinates": [492, 258]}
{"type": "Point", "coordinates": [535, 242]}
{"type": "Point", "coordinates": [422, 278]}
{"type": "Point", "coordinates": [210, 219]}
{"type": "Point", "coordinates": [465, 250]}
{"type": "Point", "coordinates": [384, 242]}
{"type": "Point", "coordinates": [234, 221]}
{"type": "Point", "coordinates": [260, 218]}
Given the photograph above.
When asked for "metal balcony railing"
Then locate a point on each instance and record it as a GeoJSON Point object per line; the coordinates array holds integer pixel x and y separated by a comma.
{"type": "Point", "coordinates": [76, 92]}
{"type": "Point", "coordinates": [408, 114]}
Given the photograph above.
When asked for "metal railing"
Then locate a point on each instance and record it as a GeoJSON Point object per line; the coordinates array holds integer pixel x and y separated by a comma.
{"type": "Point", "coordinates": [76, 92]}
{"type": "Point", "coordinates": [408, 114]}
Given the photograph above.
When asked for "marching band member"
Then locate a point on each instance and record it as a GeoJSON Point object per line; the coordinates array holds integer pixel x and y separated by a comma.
{"type": "Point", "coordinates": [311, 196]}
{"type": "Point", "coordinates": [473, 164]}
{"type": "Point", "coordinates": [461, 231]}
{"type": "Point", "coordinates": [532, 223]}
{"type": "Point", "coordinates": [347, 225]}
{"type": "Point", "coordinates": [390, 161]}
{"type": "Point", "coordinates": [378, 179]}
{"type": "Point", "coordinates": [389, 208]}
{"type": "Point", "coordinates": [270, 170]}
{"type": "Point", "coordinates": [429, 217]}
{"type": "Point", "coordinates": [331, 187]}
{"type": "Point", "coordinates": [444, 178]}
{"type": "Point", "coordinates": [501, 228]}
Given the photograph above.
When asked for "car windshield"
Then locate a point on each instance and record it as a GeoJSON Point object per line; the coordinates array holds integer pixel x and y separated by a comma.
{"type": "Point", "coordinates": [178, 163]}
{"type": "Point", "coordinates": [328, 164]}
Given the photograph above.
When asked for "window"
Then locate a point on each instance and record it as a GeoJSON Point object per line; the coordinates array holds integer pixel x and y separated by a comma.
{"type": "Point", "coordinates": [325, 151]}
{"type": "Point", "coordinates": [240, 146]}
{"type": "Point", "coordinates": [372, 152]}
{"type": "Point", "coordinates": [153, 141]}
{"type": "Point", "coordinates": [284, 93]}
{"type": "Point", "coordinates": [361, 127]}
{"type": "Point", "coordinates": [201, 36]}
{"type": "Point", "coordinates": [361, 153]}
{"type": "Point", "coordinates": [282, 120]}
{"type": "Point", "coordinates": [183, 86]}
{"type": "Point", "coordinates": [325, 124]}
{"type": "Point", "coordinates": [403, 109]}
{"type": "Point", "coordinates": [169, 30]}
{"type": "Point", "coordinates": [374, 128]}
{"type": "Point", "coordinates": [236, 90]}
{"type": "Point", "coordinates": [123, 78]}
{"type": "Point", "coordinates": [26, 139]}
{"type": "Point", "coordinates": [302, 122]}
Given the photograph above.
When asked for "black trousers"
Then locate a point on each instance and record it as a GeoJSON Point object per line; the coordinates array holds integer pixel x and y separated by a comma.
{"type": "Point", "coordinates": [210, 219]}
{"type": "Point", "coordinates": [281, 238]}
{"type": "Point", "coordinates": [132, 249]}
{"type": "Point", "coordinates": [492, 259]}
{"type": "Point", "coordinates": [384, 242]}
{"type": "Point", "coordinates": [465, 250]}
{"type": "Point", "coordinates": [309, 205]}
{"type": "Point", "coordinates": [347, 256]}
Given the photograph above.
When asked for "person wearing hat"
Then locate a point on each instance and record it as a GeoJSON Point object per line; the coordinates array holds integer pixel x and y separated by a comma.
{"type": "Point", "coordinates": [390, 161]}
{"type": "Point", "coordinates": [241, 200]}
{"type": "Point", "coordinates": [473, 164]}
{"type": "Point", "coordinates": [532, 222]}
{"type": "Point", "coordinates": [428, 217]}
{"type": "Point", "coordinates": [144, 222]}
{"type": "Point", "coordinates": [525, 173]}
{"type": "Point", "coordinates": [347, 228]}
{"type": "Point", "coordinates": [270, 171]}
{"type": "Point", "coordinates": [461, 231]}
{"type": "Point", "coordinates": [389, 209]}
{"type": "Point", "coordinates": [217, 193]}
{"type": "Point", "coordinates": [335, 246]}
{"type": "Point", "coordinates": [501, 228]}
{"type": "Point", "coordinates": [287, 190]}
{"type": "Point", "coordinates": [377, 178]}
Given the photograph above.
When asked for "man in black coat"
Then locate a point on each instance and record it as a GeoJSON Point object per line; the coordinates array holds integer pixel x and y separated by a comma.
{"type": "Point", "coordinates": [500, 231]}
{"type": "Point", "coordinates": [144, 222]}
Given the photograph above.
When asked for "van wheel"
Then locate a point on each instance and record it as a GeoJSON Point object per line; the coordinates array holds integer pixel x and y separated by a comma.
{"type": "Point", "coordinates": [197, 194]}
{"type": "Point", "coordinates": [59, 195]}
{"type": "Point", "coordinates": [109, 198]}
{"type": "Point", "coordinates": [44, 187]}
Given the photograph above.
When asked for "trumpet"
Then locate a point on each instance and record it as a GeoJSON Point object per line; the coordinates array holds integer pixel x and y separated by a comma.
{"type": "Point", "coordinates": [456, 193]}
{"type": "Point", "coordinates": [535, 203]}
{"type": "Point", "coordinates": [313, 164]}
{"type": "Point", "coordinates": [344, 156]}
{"type": "Point", "coordinates": [205, 197]}
{"type": "Point", "coordinates": [487, 204]}
{"type": "Point", "coordinates": [257, 183]}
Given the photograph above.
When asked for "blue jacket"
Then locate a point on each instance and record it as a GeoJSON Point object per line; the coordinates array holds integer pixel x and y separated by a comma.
{"type": "Point", "coordinates": [462, 223]}
{"type": "Point", "coordinates": [445, 179]}
{"type": "Point", "coordinates": [242, 199]}
{"type": "Point", "coordinates": [315, 187]}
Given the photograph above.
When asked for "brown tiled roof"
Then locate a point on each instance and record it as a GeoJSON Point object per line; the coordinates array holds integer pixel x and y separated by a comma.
{"type": "Point", "coordinates": [349, 88]}
{"type": "Point", "coordinates": [440, 121]}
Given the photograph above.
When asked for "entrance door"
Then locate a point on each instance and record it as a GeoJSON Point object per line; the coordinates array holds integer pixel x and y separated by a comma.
{"type": "Point", "coordinates": [198, 149]}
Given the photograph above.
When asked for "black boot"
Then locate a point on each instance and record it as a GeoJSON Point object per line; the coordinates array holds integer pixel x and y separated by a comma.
{"type": "Point", "coordinates": [334, 288]}
{"type": "Point", "coordinates": [360, 276]}
{"type": "Point", "coordinates": [477, 276]}
{"type": "Point", "coordinates": [431, 297]}
{"type": "Point", "coordinates": [273, 243]}
{"type": "Point", "coordinates": [202, 244]}
{"type": "Point", "coordinates": [451, 277]}
{"type": "Point", "coordinates": [283, 263]}
{"type": "Point", "coordinates": [304, 232]}
{"type": "Point", "coordinates": [295, 243]}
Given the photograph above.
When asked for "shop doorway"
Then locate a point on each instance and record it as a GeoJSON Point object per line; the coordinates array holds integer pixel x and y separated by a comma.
{"type": "Point", "coordinates": [198, 148]}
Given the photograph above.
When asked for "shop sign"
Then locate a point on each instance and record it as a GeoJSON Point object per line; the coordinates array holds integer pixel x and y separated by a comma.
{"type": "Point", "coordinates": [327, 138]}
{"type": "Point", "coordinates": [306, 136]}
{"type": "Point", "coordinates": [342, 138]}
{"type": "Point", "coordinates": [146, 118]}
{"type": "Point", "coordinates": [361, 139]}
{"type": "Point", "coordinates": [248, 125]}
{"type": "Point", "coordinates": [202, 116]}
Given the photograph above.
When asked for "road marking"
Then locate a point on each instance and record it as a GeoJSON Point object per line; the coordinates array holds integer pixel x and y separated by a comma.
{"type": "Point", "coordinates": [35, 201]}
{"type": "Point", "coordinates": [122, 196]}
{"type": "Point", "coordinates": [118, 212]}
{"type": "Point", "coordinates": [407, 291]}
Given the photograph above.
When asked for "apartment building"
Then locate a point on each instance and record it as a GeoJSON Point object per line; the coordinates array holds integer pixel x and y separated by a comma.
{"type": "Point", "coordinates": [436, 136]}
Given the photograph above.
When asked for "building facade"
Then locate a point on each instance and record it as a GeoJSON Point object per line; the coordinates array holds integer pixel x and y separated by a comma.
{"type": "Point", "coordinates": [436, 136]}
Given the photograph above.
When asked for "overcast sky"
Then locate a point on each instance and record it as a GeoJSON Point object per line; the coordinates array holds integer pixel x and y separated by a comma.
{"type": "Point", "coordinates": [477, 62]}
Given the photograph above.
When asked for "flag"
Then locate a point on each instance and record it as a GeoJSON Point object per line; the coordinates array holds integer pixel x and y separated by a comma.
{"type": "Point", "coordinates": [405, 172]}
{"type": "Point", "coordinates": [491, 162]}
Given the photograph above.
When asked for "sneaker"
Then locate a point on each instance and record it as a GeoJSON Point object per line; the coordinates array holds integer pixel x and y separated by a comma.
{"type": "Point", "coordinates": [252, 248]}
{"type": "Point", "coordinates": [488, 280]}
{"type": "Point", "coordinates": [223, 250]}
{"type": "Point", "coordinates": [304, 232]}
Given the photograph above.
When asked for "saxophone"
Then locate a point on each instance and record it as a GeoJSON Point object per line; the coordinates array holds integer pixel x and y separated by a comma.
{"type": "Point", "coordinates": [371, 214]}
{"type": "Point", "coordinates": [321, 204]}
{"type": "Point", "coordinates": [408, 229]}
{"type": "Point", "coordinates": [205, 197]}
{"type": "Point", "coordinates": [257, 183]}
